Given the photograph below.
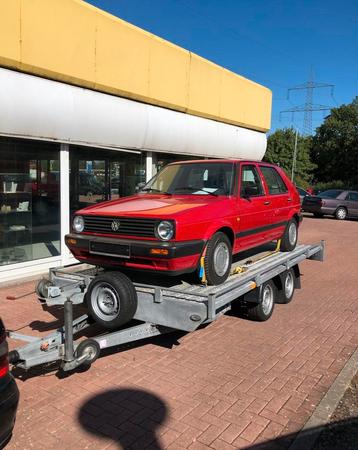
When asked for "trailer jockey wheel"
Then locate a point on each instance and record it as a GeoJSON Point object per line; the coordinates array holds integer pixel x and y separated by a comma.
{"type": "Point", "coordinates": [42, 288]}
{"type": "Point", "coordinates": [111, 299]}
{"type": "Point", "coordinates": [89, 348]}
{"type": "Point", "coordinates": [263, 310]}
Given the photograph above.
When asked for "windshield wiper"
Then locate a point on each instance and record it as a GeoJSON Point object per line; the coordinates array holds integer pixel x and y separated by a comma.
{"type": "Point", "coordinates": [192, 189]}
{"type": "Point", "coordinates": [155, 190]}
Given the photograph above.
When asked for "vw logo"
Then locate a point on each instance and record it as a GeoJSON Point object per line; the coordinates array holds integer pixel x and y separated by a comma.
{"type": "Point", "coordinates": [115, 225]}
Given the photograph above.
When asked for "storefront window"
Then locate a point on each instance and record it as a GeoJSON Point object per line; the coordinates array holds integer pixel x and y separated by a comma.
{"type": "Point", "coordinates": [110, 176]}
{"type": "Point", "coordinates": [162, 159]}
{"type": "Point", "coordinates": [29, 200]}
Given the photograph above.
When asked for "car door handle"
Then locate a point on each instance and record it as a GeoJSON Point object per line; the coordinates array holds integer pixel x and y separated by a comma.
{"type": "Point", "coordinates": [289, 199]}
{"type": "Point", "coordinates": [267, 202]}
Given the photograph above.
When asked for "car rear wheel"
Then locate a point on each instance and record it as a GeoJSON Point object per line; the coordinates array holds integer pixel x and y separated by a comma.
{"type": "Point", "coordinates": [218, 258]}
{"type": "Point", "coordinates": [341, 213]}
{"type": "Point", "coordinates": [290, 237]}
{"type": "Point", "coordinates": [111, 299]}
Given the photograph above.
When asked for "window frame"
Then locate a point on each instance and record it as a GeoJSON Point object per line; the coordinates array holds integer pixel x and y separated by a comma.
{"type": "Point", "coordinates": [255, 166]}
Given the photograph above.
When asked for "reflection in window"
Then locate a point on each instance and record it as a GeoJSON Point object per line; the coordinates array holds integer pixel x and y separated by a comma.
{"type": "Point", "coordinates": [29, 200]}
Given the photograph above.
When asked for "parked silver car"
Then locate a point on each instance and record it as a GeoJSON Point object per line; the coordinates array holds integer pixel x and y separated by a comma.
{"type": "Point", "coordinates": [334, 202]}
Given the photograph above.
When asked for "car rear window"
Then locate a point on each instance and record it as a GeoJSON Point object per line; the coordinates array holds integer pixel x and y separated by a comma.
{"type": "Point", "coordinates": [273, 179]}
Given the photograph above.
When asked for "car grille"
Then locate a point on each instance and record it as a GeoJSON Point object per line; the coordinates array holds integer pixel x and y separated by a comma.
{"type": "Point", "coordinates": [123, 226]}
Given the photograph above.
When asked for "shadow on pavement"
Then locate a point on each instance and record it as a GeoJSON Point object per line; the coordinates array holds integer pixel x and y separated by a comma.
{"type": "Point", "coordinates": [130, 417]}
{"type": "Point", "coordinates": [341, 435]}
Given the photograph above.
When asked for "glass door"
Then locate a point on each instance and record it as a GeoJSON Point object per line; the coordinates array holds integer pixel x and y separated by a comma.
{"type": "Point", "coordinates": [88, 182]}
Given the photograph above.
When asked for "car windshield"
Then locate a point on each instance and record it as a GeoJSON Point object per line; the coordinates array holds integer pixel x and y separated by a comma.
{"type": "Point", "coordinates": [202, 178]}
{"type": "Point", "coordinates": [333, 193]}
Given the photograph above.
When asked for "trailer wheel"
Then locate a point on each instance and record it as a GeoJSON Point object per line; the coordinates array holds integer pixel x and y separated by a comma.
{"type": "Point", "coordinates": [263, 310]}
{"type": "Point", "coordinates": [290, 237]}
{"type": "Point", "coordinates": [218, 257]}
{"type": "Point", "coordinates": [42, 288]}
{"type": "Point", "coordinates": [111, 299]}
{"type": "Point", "coordinates": [288, 281]}
{"type": "Point", "coordinates": [90, 348]}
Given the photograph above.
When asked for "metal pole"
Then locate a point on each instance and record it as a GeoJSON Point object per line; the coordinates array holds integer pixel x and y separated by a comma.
{"type": "Point", "coordinates": [68, 330]}
{"type": "Point", "coordinates": [294, 157]}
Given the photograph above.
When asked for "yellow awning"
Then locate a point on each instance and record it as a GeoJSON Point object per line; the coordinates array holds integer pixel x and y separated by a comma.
{"type": "Point", "coordinates": [74, 42]}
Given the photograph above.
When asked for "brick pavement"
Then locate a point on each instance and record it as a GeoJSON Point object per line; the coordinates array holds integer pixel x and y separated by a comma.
{"type": "Point", "coordinates": [234, 384]}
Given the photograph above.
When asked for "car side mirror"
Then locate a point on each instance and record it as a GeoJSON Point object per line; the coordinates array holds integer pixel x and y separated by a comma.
{"type": "Point", "coordinates": [139, 186]}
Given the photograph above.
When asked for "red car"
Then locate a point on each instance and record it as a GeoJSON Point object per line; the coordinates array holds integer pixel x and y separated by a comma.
{"type": "Point", "coordinates": [191, 215]}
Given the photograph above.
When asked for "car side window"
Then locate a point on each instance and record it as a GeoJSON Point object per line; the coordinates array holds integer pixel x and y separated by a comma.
{"type": "Point", "coordinates": [353, 196]}
{"type": "Point", "coordinates": [273, 179]}
{"type": "Point", "coordinates": [251, 185]}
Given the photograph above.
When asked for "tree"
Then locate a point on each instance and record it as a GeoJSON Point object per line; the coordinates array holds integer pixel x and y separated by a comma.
{"type": "Point", "coordinates": [335, 146]}
{"type": "Point", "coordinates": [280, 148]}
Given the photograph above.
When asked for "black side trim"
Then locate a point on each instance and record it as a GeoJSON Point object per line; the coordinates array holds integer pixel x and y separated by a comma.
{"type": "Point", "coordinates": [260, 229]}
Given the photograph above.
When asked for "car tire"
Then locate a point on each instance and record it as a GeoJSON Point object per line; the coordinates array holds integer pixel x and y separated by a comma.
{"type": "Point", "coordinates": [290, 237]}
{"type": "Point", "coordinates": [217, 259]}
{"type": "Point", "coordinates": [111, 299]}
{"type": "Point", "coordinates": [263, 310]}
{"type": "Point", "coordinates": [340, 213]}
{"type": "Point", "coordinates": [287, 289]}
{"type": "Point", "coordinates": [318, 215]}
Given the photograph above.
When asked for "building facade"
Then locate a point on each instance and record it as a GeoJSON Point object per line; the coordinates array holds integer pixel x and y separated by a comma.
{"type": "Point", "coordinates": [90, 106]}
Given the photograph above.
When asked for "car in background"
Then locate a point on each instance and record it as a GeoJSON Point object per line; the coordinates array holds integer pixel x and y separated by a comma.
{"type": "Point", "coordinates": [302, 193]}
{"type": "Point", "coordinates": [9, 393]}
{"type": "Point", "coordinates": [334, 202]}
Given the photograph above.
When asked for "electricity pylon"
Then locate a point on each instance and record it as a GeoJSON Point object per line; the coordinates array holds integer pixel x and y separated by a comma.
{"type": "Point", "coordinates": [308, 107]}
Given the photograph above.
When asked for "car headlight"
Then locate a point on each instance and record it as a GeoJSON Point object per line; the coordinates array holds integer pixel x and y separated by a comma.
{"type": "Point", "coordinates": [78, 224]}
{"type": "Point", "coordinates": [165, 230]}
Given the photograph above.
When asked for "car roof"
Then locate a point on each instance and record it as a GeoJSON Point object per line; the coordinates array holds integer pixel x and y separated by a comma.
{"type": "Point", "coordinates": [194, 161]}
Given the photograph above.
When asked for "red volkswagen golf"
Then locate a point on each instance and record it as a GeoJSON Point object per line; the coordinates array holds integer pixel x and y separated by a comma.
{"type": "Point", "coordinates": [189, 210]}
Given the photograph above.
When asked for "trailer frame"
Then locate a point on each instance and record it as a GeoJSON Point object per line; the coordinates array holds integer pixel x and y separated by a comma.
{"type": "Point", "coordinates": [161, 308]}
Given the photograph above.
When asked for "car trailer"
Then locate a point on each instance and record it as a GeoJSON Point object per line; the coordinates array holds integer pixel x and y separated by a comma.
{"type": "Point", "coordinates": [256, 284]}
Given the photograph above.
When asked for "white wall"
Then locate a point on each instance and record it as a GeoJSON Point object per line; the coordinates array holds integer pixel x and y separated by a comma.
{"type": "Point", "coordinates": [37, 108]}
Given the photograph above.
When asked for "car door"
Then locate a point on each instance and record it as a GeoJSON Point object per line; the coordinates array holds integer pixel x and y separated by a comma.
{"type": "Point", "coordinates": [253, 212]}
{"type": "Point", "coordinates": [352, 205]}
{"type": "Point", "coordinates": [280, 200]}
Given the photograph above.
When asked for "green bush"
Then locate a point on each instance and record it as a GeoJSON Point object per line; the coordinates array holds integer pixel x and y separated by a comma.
{"type": "Point", "coordinates": [337, 184]}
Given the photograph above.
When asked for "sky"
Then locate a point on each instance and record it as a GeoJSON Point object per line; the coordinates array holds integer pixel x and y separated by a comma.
{"type": "Point", "coordinates": [277, 43]}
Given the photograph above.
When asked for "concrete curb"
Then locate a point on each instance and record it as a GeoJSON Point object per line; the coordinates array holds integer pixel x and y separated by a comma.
{"type": "Point", "coordinates": [321, 415]}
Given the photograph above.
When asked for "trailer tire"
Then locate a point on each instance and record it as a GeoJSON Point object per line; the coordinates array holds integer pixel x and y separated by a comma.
{"type": "Point", "coordinates": [263, 310]}
{"type": "Point", "coordinates": [111, 299]}
{"type": "Point", "coordinates": [287, 288]}
{"type": "Point", "coordinates": [290, 237]}
{"type": "Point", "coordinates": [42, 288]}
{"type": "Point", "coordinates": [88, 347]}
{"type": "Point", "coordinates": [218, 258]}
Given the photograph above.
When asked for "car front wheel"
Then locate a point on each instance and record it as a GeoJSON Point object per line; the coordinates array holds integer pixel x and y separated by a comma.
{"type": "Point", "coordinates": [218, 258]}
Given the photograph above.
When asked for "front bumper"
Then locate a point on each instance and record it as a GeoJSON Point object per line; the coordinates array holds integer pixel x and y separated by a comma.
{"type": "Point", "coordinates": [9, 399]}
{"type": "Point", "coordinates": [173, 257]}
